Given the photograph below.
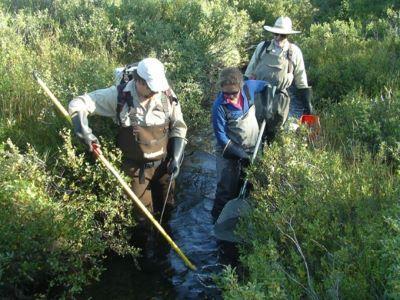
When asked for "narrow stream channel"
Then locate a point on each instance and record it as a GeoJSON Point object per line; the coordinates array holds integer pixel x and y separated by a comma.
{"type": "Point", "coordinates": [192, 230]}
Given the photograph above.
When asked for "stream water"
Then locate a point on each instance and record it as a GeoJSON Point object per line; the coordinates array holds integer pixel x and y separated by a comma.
{"type": "Point", "coordinates": [191, 228]}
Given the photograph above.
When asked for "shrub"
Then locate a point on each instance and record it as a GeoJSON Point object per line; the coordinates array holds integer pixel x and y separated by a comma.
{"type": "Point", "coordinates": [43, 246]}
{"type": "Point", "coordinates": [371, 122]}
{"type": "Point", "coordinates": [27, 43]}
{"type": "Point", "coordinates": [344, 9]}
{"type": "Point", "coordinates": [195, 39]}
{"type": "Point", "coordinates": [323, 227]}
{"type": "Point", "coordinates": [57, 224]}
{"type": "Point", "coordinates": [359, 64]}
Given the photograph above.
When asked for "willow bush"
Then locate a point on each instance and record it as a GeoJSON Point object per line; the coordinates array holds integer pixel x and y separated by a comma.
{"type": "Point", "coordinates": [342, 60]}
{"type": "Point", "coordinates": [50, 243]}
{"type": "Point", "coordinates": [76, 213]}
{"type": "Point", "coordinates": [369, 121]}
{"type": "Point", "coordinates": [71, 208]}
{"type": "Point", "coordinates": [323, 226]}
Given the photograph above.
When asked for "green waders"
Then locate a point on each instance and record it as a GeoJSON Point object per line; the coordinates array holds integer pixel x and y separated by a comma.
{"type": "Point", "coordinates": [274, 69]}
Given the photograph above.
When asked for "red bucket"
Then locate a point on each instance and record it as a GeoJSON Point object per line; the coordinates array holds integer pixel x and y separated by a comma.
{"type": "Point", "coordinates": [312, 122]}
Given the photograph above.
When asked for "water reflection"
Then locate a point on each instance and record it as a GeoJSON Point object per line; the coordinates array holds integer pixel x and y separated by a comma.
{"type": "Point", "coordinates": [192, 228]}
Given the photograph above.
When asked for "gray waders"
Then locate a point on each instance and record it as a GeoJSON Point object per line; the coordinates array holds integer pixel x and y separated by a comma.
{"type": "Point", "coordinates": [275, 70]}
{"type": "Point", "coordinates": [224, 228]}
{"type": "Point", "coordinates": [243, 131]}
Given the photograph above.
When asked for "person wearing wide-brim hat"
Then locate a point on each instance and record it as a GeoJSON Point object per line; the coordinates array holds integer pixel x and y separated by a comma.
{"type": "Point", "coordinates": [280, 62]}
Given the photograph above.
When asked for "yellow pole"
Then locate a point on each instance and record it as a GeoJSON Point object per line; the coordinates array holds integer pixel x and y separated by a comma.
{"type": "Point", "coordinates": [126, 187]}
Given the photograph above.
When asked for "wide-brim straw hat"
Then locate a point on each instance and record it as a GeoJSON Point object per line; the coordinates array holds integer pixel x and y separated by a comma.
{"type": "Point", "coordinates": [283, 25]}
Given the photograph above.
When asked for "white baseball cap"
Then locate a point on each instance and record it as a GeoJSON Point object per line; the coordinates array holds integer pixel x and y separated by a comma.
{"type": "Point", "coordinates": [152, 70]}
{"type": "Point", "coordinates": [283, 25]}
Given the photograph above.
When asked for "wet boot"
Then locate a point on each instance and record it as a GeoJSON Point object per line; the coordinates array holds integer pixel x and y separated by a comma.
{"type": "Point", "coordinates": [150, 247]}
{"type": "Point", "coordinates": [229, 253]}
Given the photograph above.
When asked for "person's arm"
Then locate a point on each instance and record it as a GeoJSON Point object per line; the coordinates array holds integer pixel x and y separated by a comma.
{"type": "Point", "coordinates": [219, 124]}
{"type": "Point", "coordinates": [177, 141]}
{"type": "Point", "coordinates": [304, 92]}
{"type": "Point", "coordinates": [102, 102]}
{"type": "Point", "coordinates": [231, 150]}
{"type": "Point", "coordinates": [299, 72]}
{"type": "Point", "coordinates": [251, 67]}
{"type": "Point", "coordinates": [178, 126]}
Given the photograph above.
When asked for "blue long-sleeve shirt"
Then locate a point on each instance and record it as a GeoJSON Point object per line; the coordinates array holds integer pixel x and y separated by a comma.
{"type": "Point", "coordinates": [218, 114]}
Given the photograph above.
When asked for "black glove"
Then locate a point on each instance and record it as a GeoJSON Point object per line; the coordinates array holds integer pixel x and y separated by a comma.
{"type": "Point", "coordinates": [235, 151]}
{"type": "Point", "coordinates": [176, 147]}
{"type": "Point", "coordinates": [305, 97]}
{"type": "Point", "coordinates": [82, 130]}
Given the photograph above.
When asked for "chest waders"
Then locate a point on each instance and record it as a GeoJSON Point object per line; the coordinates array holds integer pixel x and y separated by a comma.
{"type": "Point", "coordinates": [119, 178]}
{"type": "Point", "coordinates": [273, 69]}
{"type": "Point", "coordinates": [146, 148]}
{"type": "Point", "coordinates": [225, 225]}
{"type": "Point", "coordinates": [144, 151]}
{"type": "Point", "coordinates": [243, 130]}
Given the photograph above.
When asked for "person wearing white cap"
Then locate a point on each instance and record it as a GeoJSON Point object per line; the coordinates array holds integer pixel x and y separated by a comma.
{"type": "Point", "coordinates": [151, 131]}
{"type": "Point", "coordinates": [280, 63]}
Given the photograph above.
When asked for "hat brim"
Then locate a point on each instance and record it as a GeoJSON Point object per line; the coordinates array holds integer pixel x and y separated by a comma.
{"type": "Point", "coordinates": [156, 85]}
{"type": "Point", "coordinates": [160, 85]}
{"type": "Point", "coordinates": [280, 30]}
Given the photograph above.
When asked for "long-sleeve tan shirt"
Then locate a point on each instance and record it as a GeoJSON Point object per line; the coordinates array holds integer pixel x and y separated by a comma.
{"type": "Point", "coordinates": [103, 102]}
{"type": "Point", "coordinates": [299, 71]}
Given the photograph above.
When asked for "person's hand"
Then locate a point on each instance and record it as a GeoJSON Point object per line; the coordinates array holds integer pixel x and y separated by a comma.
{"type": "Point", "coordinates": [244, 162]}
{"type": "Point", "coordinates": [92, 144]}
{"type": "Point", "coordinates": [88, 140]}
{"type": "Point", "coordinates": [235, 151]}
{"type": "Point", "coordinates": [305, 97]}
{"type": "Point", "coordinates": [176, 147]}
{"type": "Point", "coordinates": [96, 150]}
{"type": "Point", "coordinates": [173, 168]}
{"type": "Point", "coordinates": [83, 131]}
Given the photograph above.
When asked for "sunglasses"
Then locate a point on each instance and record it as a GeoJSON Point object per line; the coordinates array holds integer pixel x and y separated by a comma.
{"type": "Point", "coordinates": [230, 93]}
{"type": "Point", "coordinates": [282, 35]}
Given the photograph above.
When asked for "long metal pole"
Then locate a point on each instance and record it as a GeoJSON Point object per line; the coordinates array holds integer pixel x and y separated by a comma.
{"type": "Point", "coordinates": [166, 199]}
{"type": "Point", "coordinates": [125, 186]}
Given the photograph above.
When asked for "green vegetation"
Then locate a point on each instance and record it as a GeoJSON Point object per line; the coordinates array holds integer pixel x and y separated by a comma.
{"type": "Point", "coordinates": [55, 225]}
{"type": "Point", "coordinates": [323, 227]}
{"type": "Point", "coordinates": [327, 223]}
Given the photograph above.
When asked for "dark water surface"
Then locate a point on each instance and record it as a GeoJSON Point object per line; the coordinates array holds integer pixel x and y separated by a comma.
{"type": "Point", "coordinates": [122, 280]}
{"type": "Point", "coordinates": [191, 229]}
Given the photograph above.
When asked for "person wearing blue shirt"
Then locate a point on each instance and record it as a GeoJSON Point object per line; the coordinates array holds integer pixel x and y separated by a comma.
{"type": "Point", "coordinates": [236, 131]}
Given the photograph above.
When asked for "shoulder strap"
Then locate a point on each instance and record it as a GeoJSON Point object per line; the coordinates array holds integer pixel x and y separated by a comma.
{"type": "Point", "coordinates": [264, 47]}
{"type": "Point", "coordinates": [227, 112]}
{"type": "Point", "coordinates": [164, 101]}
{"type": "Point", "coordinates": [167, 96]}
{"type": "Point", "coordinates": [123, 97]}
{"type": "Point", "coordinates": [289, 56]}
{"type": "Point", "coordinates": [247, 93]}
